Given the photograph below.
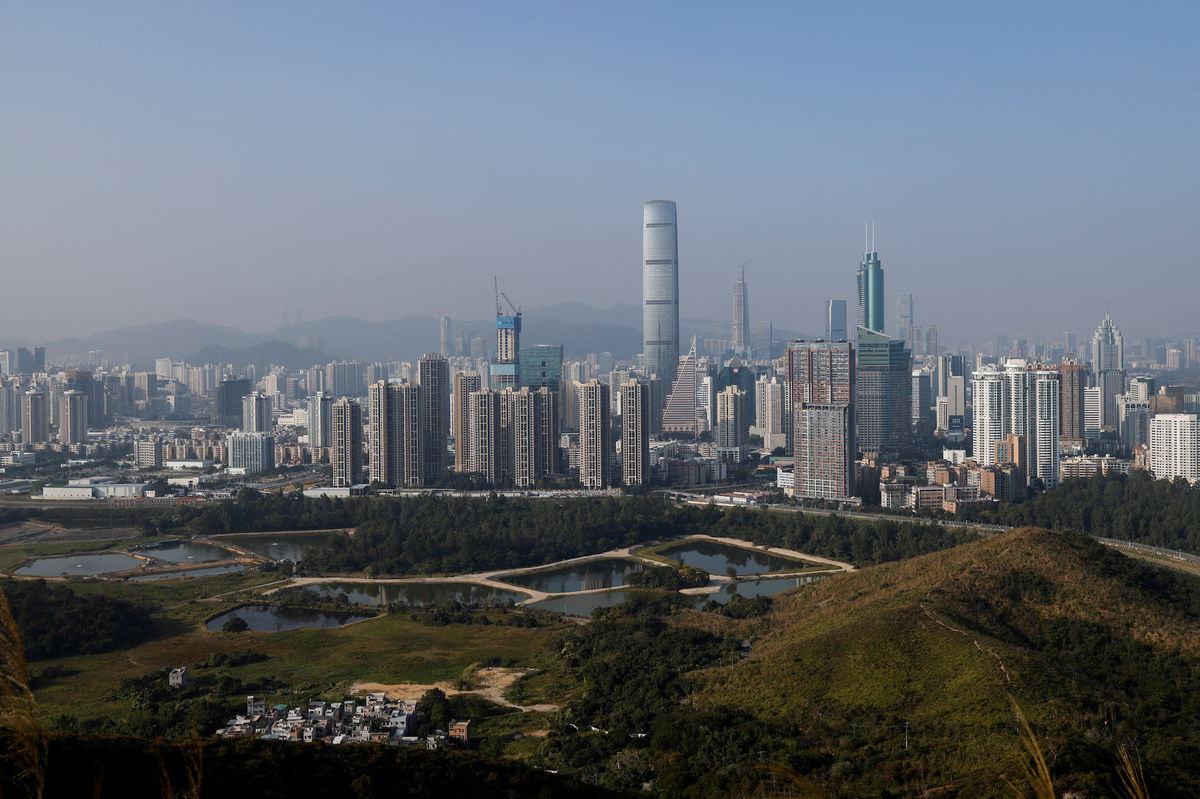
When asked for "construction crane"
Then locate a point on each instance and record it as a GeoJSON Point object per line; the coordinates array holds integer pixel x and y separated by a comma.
{"type": "Point", "coordinates": [499, 310]}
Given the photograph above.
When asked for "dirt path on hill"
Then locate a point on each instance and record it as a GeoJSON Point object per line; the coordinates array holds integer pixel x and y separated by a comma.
{"type": "Point", "coordinates": [493, 682]}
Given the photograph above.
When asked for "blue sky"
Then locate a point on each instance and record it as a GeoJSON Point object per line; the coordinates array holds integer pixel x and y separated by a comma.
{"type": "Point", "coordinates": [1025, 166]}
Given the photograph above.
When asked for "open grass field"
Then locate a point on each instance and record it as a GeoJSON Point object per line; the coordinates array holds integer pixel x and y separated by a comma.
{"type": "Point", "coordinates": [387, 649]}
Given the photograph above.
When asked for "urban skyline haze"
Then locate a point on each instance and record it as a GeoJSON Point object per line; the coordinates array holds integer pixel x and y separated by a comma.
{"type": "Point", "coordinates": [225, 162]}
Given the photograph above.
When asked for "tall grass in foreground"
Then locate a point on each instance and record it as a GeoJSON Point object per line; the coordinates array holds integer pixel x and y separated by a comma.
{"type": "Point", "coordinates": [22, 741]}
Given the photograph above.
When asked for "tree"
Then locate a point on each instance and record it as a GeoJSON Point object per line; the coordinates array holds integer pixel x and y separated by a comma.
{"type": "Point", "coordinates": [236, 624]}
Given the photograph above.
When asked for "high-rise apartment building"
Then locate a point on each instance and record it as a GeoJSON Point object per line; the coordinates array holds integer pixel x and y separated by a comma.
{"type": "Point", "coordinates": [635, 432]}
{"type": "Point", "coordinates": [251, 452]}
{"type": "Point", "coordinates": [347, 455]}
{"type": "Point", "coordinates": [10, 408]}
{"type": "Point", "coordinates": [1072, 381]}
{"type": "Point", "coordinates": [530, 430]}
{"type": "Point", "coordinates": [595, 448]}
{"type": "Point", "coordinates": [770, 413]}
{"type": "Point", "coordinates": [320, 420]}
{"type": "Point", "coordinates": [1133, 418]}
{"type": "Point", "coordinates": [1175, 446]}
{"type": "Point", "coordinates": [870, 291]}
{"type": "Point", "coordinates": [256, 413]}
{"type": "Point", "coordinates": [230, 392]}
{"type": "Point", "coordinates": [35, 416]}
{"type": "Point", "coordinates": [434, 375]}
{"type": "Point", "coordinates": [660, 289]}
{"type": "Point", "coordinates": [835, 320]}
{"type": "Point", "coordinates": [73, 418]}
{"type": "Point", "coordinates": [395, 434]}
{"type": "Point", "coordinates": [820, 376]}
{"type": "Point", "coordinates": [465, 384]}
{"type": "Point", "coordinates": [731, 426]}
{"type": "Point", "coordinates": [1024, 403]}
{"type": "Point", "coordinates": [741, 317]}
{"type": "Point", "coordinates": [882, 394]}
{"type": "Point", "coordinates": [484, 437]}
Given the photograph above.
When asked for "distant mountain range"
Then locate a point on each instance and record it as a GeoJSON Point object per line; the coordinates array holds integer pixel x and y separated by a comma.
{"type": "Point", "coordinates": [579, 328]}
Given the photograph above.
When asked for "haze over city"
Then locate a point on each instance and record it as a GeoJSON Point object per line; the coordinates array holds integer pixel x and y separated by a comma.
{"type": "Point", "coordinates": [1027, 169]}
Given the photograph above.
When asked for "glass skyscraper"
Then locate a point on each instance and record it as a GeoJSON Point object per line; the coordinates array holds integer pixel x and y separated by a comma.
{"type": "Point", "coordinates": [660, 289]}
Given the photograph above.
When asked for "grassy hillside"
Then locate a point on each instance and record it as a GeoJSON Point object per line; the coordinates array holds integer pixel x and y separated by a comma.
{"type": "Point", "coordinates": [1098, 650]}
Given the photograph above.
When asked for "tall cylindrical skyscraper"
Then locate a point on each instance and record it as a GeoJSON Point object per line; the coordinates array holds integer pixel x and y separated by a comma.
{"type": "Point", "coordinates": [660, 289]}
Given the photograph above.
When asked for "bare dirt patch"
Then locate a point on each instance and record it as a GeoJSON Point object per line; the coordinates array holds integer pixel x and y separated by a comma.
{"type": "Point", "coordinates": [493, 682]}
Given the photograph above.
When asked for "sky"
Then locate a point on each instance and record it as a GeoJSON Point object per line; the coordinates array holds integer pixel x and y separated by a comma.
{"type": "Point", "coordinates": [1028, 165]}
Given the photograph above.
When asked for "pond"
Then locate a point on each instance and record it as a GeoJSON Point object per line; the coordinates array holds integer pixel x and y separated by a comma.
{"type": "Point", "coordinates": [235, 567]}
{"type": "Point", "coordinates": [79, 565]}
{"type": "Point", "coordinates": [416, 593]}
{"type": "Point", "coordinates": [278, 546]}
{"type": "Point", "coordinates": [584, 604]}
{"type": "Point", "coordinates": [586, 576]}
{"type": "Point", "coordinates": [265, 618]}
{"type": "Point", "coordinates": [186, 551]}
{"type": "Point", "coordinates": [718, 558]}
{"type": "Point", "coordinates": [753, 588]}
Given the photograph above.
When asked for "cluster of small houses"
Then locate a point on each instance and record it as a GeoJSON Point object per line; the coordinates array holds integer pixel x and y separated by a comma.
{"type": "Point", "coordinates": [375, 721]}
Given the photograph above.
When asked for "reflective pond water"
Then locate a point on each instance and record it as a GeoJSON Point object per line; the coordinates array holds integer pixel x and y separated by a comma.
{"type": "Point", "coordinates": [186, 551]}
{"type": "Point", "coordinates": [718, 558]}
{"type": "Point", "coordinates": [584, 604]}
{"type": "Point", "coordinates": [586, 576]}
{"type": "Point", "coordinates": [278, 546]}
{"type": "Point", "coordinates": [79, 565]}
{"type": "Point", "coordinates": [416, 593]}
{"type": "Point", "coordinates": [236, 567]}
{"type": "Point", "coordinates": [265, 618]}
{"type": "Point", "coordinates": [753, 588]}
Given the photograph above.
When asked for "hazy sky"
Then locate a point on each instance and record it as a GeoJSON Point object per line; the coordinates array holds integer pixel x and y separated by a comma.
{"type": "Point", "coordinates": [1025, 163]}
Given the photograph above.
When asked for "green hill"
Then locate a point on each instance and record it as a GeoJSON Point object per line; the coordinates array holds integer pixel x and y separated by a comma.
{"type": "Point", "coordinates": [1098, 651]}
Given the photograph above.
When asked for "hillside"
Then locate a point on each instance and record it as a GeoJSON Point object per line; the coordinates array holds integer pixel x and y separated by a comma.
{"type": "Point", "coordinates": [1097, 650]}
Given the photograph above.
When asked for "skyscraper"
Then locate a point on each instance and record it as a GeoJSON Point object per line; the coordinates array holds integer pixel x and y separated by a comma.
{"type": "Point", "coordinates": [320, 420]}
{"type": "Point", "coordinates": [820, 377]}
{"type": "Point", "coordinates": [1024, 403]}
{"type": "Point", "coordinates": [35, 417]}
{"type": "Point", "coordinates": [72, 426]}
{"type": "Point", "coordinates": [484, 440]}
{"type": "Point", "coordinates": [434, 375]}
{"type": "Point", "coordinates": [505, 371]}
{"type": "Point", "coordinates": [660, 289]}
{"type": "Point", "coordinates": [870, 289]}
{"type": "Point", "coordinates": [882, 394]}
{"type": "Point", "coordinates": [396, 435]}
{"type": "Point", "coordinates": [680, 413]}
{"type": "Point", "coordinates": [741, 317]}
{"type": "Point", "coordinates": [445, 336]}
{"type": "Point", "coordinates": [1108, 370]}
{"type": "Point", "coordinates": [835, 320]}
{"type": "Point", "coordinates": [256, 413]}
{"type": "Point", "coordinates": [905, 318]}
{"type": "Point", "coordinates": [595, 456]}
{"type": "Point", "coordinates": [347, 455]}
{"type": "Point", "coordinates": [731, 418]}
{"type": "Point", "coordinates": [635, 433]}
{"type": "Point", "coordinates": [1071, 384]}
{"type": "Point", "coordinates": [464, 385]}
{"type": "Point", "coordinates": [1175, 446]}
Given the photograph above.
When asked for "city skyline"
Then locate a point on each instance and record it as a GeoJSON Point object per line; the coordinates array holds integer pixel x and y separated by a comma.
{"type": "Point", "coordinates": [317, 143]}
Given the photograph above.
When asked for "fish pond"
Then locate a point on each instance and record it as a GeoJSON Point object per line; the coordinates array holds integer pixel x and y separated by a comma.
{"type": "Point", "coordinates": [584, 604]}
{"type": "Point", "coordinates": [363, 593]}
{"type": "Point", "coordinates": [79, 565]}
{"type": "Point", "coordinates": [586, 576]}
{"type": "Point", "coordinates": [186, 552]}
{"type": "Point", "coordinates": [752, 588]}
{"type": "Point", "coordinates": [265, 618]}
{"type": "Point", "coordinates": [718, 558]}
{"type": "Point", "coordinates": [278, 546]}
{"type": "Point", "coordinates": [234, 567]}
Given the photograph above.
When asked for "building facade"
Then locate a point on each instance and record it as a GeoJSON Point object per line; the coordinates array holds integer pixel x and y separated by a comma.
{"type": "Point", "coordinates": [660, 289]}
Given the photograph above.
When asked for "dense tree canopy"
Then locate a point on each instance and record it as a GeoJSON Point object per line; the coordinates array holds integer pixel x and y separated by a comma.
{"type": "Point", "coordinates": [55, 622]}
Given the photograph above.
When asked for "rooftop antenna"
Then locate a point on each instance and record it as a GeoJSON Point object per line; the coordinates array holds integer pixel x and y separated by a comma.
{"type": "Point", "coordinates": [744, 265]}
{"type": "Point", "coordinates": [872, 235]}
{"type": "Point", "coordinates": [866, 238]}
